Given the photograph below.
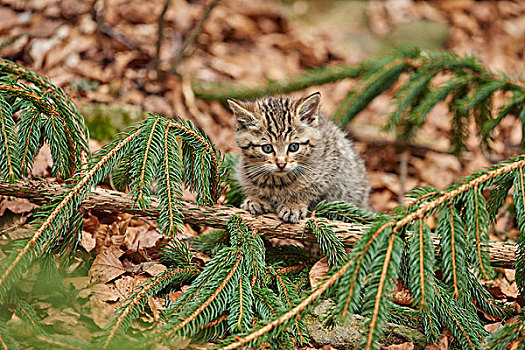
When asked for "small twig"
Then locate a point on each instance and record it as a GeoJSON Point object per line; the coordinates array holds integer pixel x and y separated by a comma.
{"type": "Point", "coordinates": [192, 37]}
{"type": "Point", "coordinates": [160, 34]}
{"type": "Point", "coordinates": [10, 40]}
{"type": "Point", "coordinates": [412, 148]}
{"type": "Point", "coordinates": [98, 13]}
{"type": "Point", "coordinates": [403, 161]}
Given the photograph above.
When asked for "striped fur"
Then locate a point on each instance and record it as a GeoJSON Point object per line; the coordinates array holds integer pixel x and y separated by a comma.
{"type": "Point", "coordinates": [292, 157]}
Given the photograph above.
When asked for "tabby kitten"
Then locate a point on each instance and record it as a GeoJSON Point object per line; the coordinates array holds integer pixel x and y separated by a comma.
{"type": "Point", "coordinates": [292, 158]}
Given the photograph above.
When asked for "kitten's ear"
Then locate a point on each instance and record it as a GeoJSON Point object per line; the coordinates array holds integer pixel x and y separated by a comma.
{"type": "Point", "coordinates": [308, 108]}
{"type": "Point", "coordinates": [244, 116]}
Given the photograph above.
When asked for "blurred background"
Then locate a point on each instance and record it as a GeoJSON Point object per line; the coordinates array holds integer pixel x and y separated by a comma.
{"type": "Point", "coordinates": [109, 56]}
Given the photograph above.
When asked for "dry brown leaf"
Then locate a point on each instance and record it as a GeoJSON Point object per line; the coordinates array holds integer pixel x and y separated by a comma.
{"type": "Point", "coordinates": [402, 295]}
{"type": "Point", "coordinates": [156, 305]}
{"type": "Point", "coordinates": [88, 241]}
{"type": "Point", "coordinates": [390, 181]}
{"type": "Point", "coordinates": [318, 272]}
{"type": "Point", "coordinates": [107, 266]}
{"type": "Point", "coordinates": [103, 292]}
{"type": "Point", "coordinates": [124, 286]}
{"type": "Point", "coordinates": [141, 237]}
{"type": "Point", "coordinates": [17, 232]}
{"type": "Point", "coordinates": [90, 224]}
{"type": "Point", "coordinates": [157, 104]}
{"type": "Point", "coordinates": [102, 237]}
{"type": "Point", "coordinates": [17, 206]}
{"type": "Point", "coordinates": [101, 311]}
{"type": "Point", "coordinates": [9, 19]}
{"type": "Point", "coordinates": [510, 274]}
{"type": "Point", "coordinates": [43, 162]}
{"type": "Point", "coordinates": [382, 201]}
{"type": "Point", "coordinates": [492, 327]}
{"type": "Point", "coordinates": [173, 296]}
{"type": "Point", "coordinates": [404, 346]}
{"type": "Point", "coordinates": [508, 289]}
{"type": "Point", "coordinates": [79, 282]}
{"type": "Point", "coordinates": [68, 316]}
{"type": "Point", "coordinates": [442, 345]}
{"type": "Point", "coordinates": [41, 46]}
{"type": "Point", "coordinates": [155, 269]}
{"type": "Point", "coordinates": [439, 170]}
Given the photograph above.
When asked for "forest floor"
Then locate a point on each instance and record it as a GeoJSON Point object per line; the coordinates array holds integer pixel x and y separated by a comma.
{"type": "Point", "coordinates": [104, 55]}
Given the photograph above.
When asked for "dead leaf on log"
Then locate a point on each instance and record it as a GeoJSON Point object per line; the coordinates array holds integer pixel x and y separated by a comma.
{"type": "Point", "coordinates": [318, 272]}
{"type": "Point", "coordinates": [90, 224]}
{"type": "Point", "coordinates": [107, 266]}
{"type": "Point", "coordinates": [404, 346]}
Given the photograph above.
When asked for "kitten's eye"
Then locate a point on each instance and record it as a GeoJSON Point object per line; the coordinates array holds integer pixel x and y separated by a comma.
{"type": "Point", "coordinates": [267, 148]}
{"type": "Point", "coordinates": [294, 147]}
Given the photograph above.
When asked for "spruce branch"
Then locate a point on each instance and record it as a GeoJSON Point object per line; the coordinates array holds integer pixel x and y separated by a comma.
{"type": "Point", "coordinates": [421, 261]}
{"type": "Point", "coordinates": [56, 218]}
{"type": "Point", "coordinates": [329, 243]}
{"type": "Point", "coordinates": [349, 276]}
{"type": "Point", "coordinates": [46, 115]}
{"type": "Point", "coordinates": [318, 76]}
{"type": "Point", "coordinates": [429, 61]}
{"type": "Point", "coordinates": [224, 286]}
{"type": "Point", "coordinates": [297, 310]}
{"type": "Point", "coordinates": [8, 143]}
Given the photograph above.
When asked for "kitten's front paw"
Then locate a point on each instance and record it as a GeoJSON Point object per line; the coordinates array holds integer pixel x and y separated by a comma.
{"type": "Point", "coordinates": [255, 206]}
{"type": "Point", "coordinates": [291, 213]}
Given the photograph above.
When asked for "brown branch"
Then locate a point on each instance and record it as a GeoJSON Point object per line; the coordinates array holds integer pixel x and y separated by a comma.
{"type": "Point", "coordinates": [98, 14]}
{"type": "Point", "coordinates": [40, 192]}
{"type": "Point", "coordinates": [160, 34]}
{"type": "Point", "coordinates": [192, 37]}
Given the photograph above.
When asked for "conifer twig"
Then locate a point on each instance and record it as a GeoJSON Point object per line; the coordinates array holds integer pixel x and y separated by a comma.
{"type": "Point", "coordinates": [501, 254]}
{"type": "Point", "coordinates": [317, 76]}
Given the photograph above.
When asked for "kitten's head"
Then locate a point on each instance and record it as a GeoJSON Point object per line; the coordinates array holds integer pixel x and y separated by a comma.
{"type": "Point", "coordinates": [276, 135]}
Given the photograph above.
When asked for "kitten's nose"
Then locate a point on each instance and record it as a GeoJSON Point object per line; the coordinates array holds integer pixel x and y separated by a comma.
{"type": "Point", "coordinates": [281, 165]}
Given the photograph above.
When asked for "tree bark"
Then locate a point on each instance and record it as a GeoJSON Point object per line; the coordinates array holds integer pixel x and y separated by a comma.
{"type": "Point", "coordinates": [102, 200]}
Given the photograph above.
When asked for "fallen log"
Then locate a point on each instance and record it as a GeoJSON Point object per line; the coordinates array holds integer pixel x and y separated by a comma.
{"type": "Point", "coordinates": [102, 200]}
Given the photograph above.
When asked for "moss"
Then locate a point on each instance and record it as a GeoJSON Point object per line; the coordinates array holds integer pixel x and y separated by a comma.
{"type": "Point", "coordinates": [105, 121]}
{"type": "Point", "coordinates": [349, 333]}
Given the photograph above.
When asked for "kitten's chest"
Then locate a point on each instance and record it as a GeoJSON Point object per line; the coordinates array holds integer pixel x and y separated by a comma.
{"type": "Point", "coordinates": [276, 191]}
